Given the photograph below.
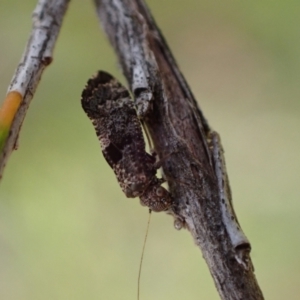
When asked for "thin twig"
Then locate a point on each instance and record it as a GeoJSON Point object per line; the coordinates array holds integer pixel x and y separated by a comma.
{"type": "Point", "coordinates": [47, 19]}
{"type": "Point", "coordinates": [191, 152]}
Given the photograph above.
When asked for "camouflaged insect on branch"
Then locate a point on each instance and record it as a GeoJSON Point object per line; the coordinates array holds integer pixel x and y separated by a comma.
{"type": "Point", "coordinates": [111, 110]}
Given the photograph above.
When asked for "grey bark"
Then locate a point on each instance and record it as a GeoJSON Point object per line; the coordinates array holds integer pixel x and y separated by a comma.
{"type": "Point", "coordinates": [191, 153]}
{"type": "Point", "coordinates": [47, 19]}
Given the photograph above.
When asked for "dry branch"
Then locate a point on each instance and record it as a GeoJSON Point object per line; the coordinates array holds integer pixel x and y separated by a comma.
{"type": "Point", "coordinates": [47, 19]}
{"type": "Point", "coordinates": [192, 155]}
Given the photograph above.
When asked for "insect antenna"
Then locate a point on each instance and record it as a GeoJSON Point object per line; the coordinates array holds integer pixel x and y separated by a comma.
{"type": "Point", "coordinates": [150, 145]}
{"type": "Point", "coordinates": [142, 257]}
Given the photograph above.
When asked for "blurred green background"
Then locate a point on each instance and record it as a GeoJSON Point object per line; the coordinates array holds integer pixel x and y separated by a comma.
{"type": "Point", "coordinates": [66, 229]}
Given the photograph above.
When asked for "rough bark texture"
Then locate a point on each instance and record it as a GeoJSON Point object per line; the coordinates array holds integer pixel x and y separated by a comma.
{"type": "Point", "coordinates": [185, 143]}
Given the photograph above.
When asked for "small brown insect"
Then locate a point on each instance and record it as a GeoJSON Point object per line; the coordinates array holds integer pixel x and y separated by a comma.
{"type": "Point", "coordinates": [110, 108]}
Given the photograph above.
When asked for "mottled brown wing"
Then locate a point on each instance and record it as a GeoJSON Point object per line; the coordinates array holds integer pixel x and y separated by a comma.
{"type": "Point", "coordinates": [110, 108]}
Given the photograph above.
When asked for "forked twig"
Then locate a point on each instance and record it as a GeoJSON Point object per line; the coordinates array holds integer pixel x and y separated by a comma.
{"type": "Point", "coordinates": [194, 166]}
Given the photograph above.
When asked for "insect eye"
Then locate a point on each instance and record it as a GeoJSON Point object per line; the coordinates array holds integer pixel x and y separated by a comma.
{"type": "Point", "coordinates": [159, 191]}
